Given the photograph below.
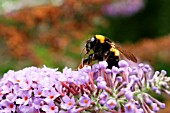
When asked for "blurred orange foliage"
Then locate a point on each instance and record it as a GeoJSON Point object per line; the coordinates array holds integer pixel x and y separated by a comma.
{"type": "Point", "coordinates": [151, 49]}
{"type": "Point", "coordinates": [16, 41]}
{"type": "Point", "coordinates": [54, 26]}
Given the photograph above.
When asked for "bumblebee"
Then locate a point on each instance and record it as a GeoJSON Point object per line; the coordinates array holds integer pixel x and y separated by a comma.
{"type": "Point", "coordinates": [105, 49]}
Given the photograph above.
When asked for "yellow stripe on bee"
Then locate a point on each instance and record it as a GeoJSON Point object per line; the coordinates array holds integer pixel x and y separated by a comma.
{"type": "Point", "coordinates": [101, 38]}
{"type": "Point", "coordinates": [115, 51]}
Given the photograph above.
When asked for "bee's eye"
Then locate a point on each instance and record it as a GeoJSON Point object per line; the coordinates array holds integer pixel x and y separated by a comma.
{"type": "Point", "coordinates": [92, 39]}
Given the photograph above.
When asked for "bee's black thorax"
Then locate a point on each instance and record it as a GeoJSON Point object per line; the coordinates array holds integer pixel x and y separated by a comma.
{"type": "Point", "coordinates": [104, 49]}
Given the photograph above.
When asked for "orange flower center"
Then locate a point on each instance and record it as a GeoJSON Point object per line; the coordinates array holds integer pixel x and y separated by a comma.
{"type": "Point", "coordinates": [129, 107]}
{"type": "Point", "coordinates": [85, 101]}
{"type": "Point", "coordinates": [41, 104]}
{"type": "Point", "coordinates": [51, 97]}
{"type": "Point", "coordinates": [111, 104]}
{"type": "Point", "coordinates": [39, 93]}
{"type": "Point", "coordinates": [52, 108]}
{"type": "Point", "coordinates": [11, 105]}
{"type": "Point", "coordinates": [69, 103]}
{"type": "Point", "coordinates": [25, 98]}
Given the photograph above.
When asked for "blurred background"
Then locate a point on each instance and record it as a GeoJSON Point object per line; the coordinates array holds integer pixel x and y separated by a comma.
{"type": "Point", "coordinates": [53, 32]}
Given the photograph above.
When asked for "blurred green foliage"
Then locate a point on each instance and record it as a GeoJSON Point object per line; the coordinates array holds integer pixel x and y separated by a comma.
{"type": "Point", "coordinates": [151, 22]}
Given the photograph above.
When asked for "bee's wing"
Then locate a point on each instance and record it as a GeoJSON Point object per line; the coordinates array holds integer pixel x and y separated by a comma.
{"type": "Point", "coordinates": [127, 54]}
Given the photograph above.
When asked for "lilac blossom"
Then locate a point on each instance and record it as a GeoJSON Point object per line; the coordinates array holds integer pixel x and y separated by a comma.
{"type": "Point", "coordinates": [67, 103]}
{"type": "Point", "coordinates": [89, 89]}
{"type": "Point", "coordinates": [129, 95]}
{"type": "Point", "coordinates": [27, 109]}
{"type": "Point", "coordinates": [8, 106]}
{"type": "Point", "coordinates": [50, 95]}
{"type": "Point", "coordinates": [38, 92]}
{"type": "Point", "coordinates": [130, 107]}
{"type": "Point", "coordinates": [38, 103]}
{"type": "Point", "coordinates": [103, 98]}
{"type": "Point", "coordinates": [110, 104]}
{"type": "Point", "coordinates": [101, 84]}
{"type": "Point", "coordinates": [25, 97]}
{"type": "Point", "coordinates": [50, 108]}
{"type": "Point", "coordinates": [123, 7]}
{"type": "Point", "coordinates": [84, 101]}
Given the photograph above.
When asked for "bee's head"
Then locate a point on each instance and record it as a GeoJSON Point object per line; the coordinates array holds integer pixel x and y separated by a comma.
{"type": "Point", "coordinates": [90, 44]}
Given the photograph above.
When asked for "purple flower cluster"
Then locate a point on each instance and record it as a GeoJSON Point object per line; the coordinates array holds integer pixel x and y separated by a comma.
{"type": "Point", "coordinates": [91, 89]}
{"type": "Point", "coordinates": [123, 7]}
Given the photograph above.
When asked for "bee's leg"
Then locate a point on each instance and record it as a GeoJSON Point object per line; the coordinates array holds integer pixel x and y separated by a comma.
{"type": "Point", "coordinates": [81, 64]}
{"type": "Point", "coordinates": [106, 55]}
{"type": "Point", "coordinates": [91, 57]}
{"type": "Point", "coordinates": [112, 60]}
{"type": "Point", "coordinates": [85, 61]}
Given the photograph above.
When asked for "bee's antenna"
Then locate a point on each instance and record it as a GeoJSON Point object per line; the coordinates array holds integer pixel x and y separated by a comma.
{"type": "Point", "coordinates": [82, 52]}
